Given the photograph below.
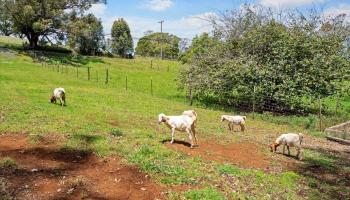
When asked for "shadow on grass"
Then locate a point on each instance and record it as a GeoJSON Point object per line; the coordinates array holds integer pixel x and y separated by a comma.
{"type": "Point", "coordinates": [62, 58]}
{"type": "Point", "coordinates": [327, 172]}
{"type": "Point", "coordinates": [184, 143]}
{"type": "Point", "coordinates": [53, 55]}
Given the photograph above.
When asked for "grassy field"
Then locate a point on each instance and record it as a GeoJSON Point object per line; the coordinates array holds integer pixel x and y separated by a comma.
{"type": "Point", "coordinates": [109, 120]}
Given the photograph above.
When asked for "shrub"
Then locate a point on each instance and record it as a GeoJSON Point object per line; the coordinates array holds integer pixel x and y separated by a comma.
{"type": "Point", "coordinates": [117, 133]}
{"type": "Point", "coordinates": [8, 163]}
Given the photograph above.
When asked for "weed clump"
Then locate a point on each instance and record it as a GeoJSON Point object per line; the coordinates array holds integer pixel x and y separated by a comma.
{"type": "Point", "coordinates": [117, 133]}
{"type": "Point", "coordinates": [8, 163]}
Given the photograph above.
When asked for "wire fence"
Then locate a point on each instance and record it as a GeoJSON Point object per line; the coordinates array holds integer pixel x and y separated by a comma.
{"type": "Point", "coordinates": [102, 75]}
{"type": "Point", "coordinates": [325, 114]}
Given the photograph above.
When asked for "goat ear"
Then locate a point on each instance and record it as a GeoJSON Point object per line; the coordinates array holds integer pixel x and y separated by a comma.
{"type": "Point", "coordinates": [165, 118]}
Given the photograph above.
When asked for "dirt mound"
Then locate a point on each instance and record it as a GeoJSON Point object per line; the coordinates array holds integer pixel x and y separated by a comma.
{"type": "Point", "coordinates": [246, 155]}
{"type": "Point", "coordinates": [45, 172]}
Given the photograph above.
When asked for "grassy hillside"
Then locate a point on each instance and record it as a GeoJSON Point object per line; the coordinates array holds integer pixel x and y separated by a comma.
{"type": "Point", "coordinates": [109, 120]}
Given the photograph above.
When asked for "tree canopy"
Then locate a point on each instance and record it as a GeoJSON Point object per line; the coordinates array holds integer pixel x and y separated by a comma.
{"type": "Point", "coordinates": [121, 37]}
{"type": "Point", "coordinates": [40, 18]}
{"type": "Point", "coordinates": [279, 65]}
{"type": "Point", "coordinates": [150, 45]}
{"type": "Point", "coordinates": [85, 35]}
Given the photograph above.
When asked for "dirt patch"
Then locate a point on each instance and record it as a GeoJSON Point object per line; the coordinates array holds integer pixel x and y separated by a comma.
{"type": "Point", "coordinates": [46, 172]}
{"type": "Point", "coordinates": [246, 155]}
{"type": "Point", "coordinates": [113, 123]}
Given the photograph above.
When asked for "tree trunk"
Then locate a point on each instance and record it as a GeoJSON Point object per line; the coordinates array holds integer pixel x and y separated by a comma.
{"type": "Point", "coordinates": [33, 40]}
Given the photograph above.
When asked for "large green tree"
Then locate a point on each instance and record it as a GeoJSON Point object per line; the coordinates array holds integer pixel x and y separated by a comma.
{"type": "Point", "coordinates": [276, 65]}
{"type": "Point", "coordinates": [150, 45]}
{"type": "Point", "coordinates": [121, 37]}
{"type": "Point", "coordinates": [5, 21]}
{"type": "Point", "coordinates": [40, 18]}
{"type": "Point", "coordinates": [85, 34]}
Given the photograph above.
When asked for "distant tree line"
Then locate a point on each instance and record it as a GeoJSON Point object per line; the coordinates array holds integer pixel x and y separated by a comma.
{"type": "Point", "coordinates": [152, 43]}
{"type": "Point", "coordinates": [280, 62]}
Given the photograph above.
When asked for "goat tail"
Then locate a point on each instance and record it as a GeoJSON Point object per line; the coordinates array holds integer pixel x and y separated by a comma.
{"type": "Point", "coordinates": [301, 137]}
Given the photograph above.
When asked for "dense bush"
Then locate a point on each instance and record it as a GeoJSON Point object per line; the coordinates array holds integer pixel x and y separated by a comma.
{"type": "Point", "coordinates": [277, 65]}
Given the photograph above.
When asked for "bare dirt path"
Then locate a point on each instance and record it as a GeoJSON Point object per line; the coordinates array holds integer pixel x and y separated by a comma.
{"type": "Point", "coordinates": [46, 172]}
{"type": "Point", "coordinates": [247, 155]}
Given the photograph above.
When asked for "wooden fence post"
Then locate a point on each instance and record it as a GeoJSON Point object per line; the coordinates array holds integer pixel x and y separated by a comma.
{"type": "Point", "coordinates": [190, 88]}
{"type": "Point", "coordinates": [320, 112]}
{"type": "Point", "coordinates": [126, 83]}
{"type": "Point", "coordinates": [96, 76]}
{"type": "Point", "coordinates": [254, 90]}
{"type": "Point", "coordinates": [77, 71]}
{"type": "Point", "coordinates": [151, 87]}
{"type": "Point", "coordinates": [88, 73]}
{"type": "Point", "coordinates": [106, 75]}
{"type": "Point", "coordinates": [151, 64]}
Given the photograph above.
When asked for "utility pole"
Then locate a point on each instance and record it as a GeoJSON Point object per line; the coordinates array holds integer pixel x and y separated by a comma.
{"type": "Point", "coordinates": [161, 42]}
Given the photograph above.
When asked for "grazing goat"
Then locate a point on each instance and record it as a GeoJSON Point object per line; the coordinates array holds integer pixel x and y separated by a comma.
{"type": "Point", "coordinates": [183, 123]}
{"type": "Point", "coordinates": [238, 120]}
{"type": "Point", "coordinates": [60, 94]}
{"type": "Point", "coordinates": [289, 140]}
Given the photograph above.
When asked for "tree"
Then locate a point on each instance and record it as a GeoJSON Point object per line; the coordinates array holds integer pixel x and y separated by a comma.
{"type": "Point", "coordinates": [150, 45]}
{"type": "Point", "coordinates": [200, 44]}
{"type": "Point", "coordinates": [40, 18]}
{"type": "Point", "coordinates": [279, 65]}
{"type": "Point", "coordinates": [5, 22]}
{"type": "Point", "coordinates": [85, 35]}
{"type": "Point", "coordinates": [121, 37]}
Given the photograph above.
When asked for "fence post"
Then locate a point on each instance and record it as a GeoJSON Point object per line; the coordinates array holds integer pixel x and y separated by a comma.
{"type": "Point", "coordinates": [96, 76]}
{"type": "Point", "coordinates": [320, 112]}
{"type": "Point", "coordinates": [151, 64]}
{"type": "Point", "coordinates": [151, 87]}
{"type": "Point", "coordinates": [126, 83]}
{"type": "Point", "coordinates": [337, 104]}
{"type": "Point", "coordinates": [254, 89]}
{"type": "Point", "coordinates": [168, 69]}
{"type": "Point", "coordinates": [77, 71]}
{"type": "Point", "coordinates": [190, 88]}
{"type": "Point", "coordinates": [88, 73]}
{"type": "Point", "coordinates": [106, 75]}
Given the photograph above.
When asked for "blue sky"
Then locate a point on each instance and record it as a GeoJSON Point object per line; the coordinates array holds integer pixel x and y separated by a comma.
{"type": "Point", "coordinates": [183, 17]}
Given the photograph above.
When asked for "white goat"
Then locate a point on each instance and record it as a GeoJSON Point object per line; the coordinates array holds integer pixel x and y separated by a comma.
{"type": "Point", "coordinates": [191, 113]}
{"type": "Point", "coordinates": [289, 140]}
{"type": "Point", "coordinates": [238, 120]}
{"type": "Point", "coordinates": [59, 93]}
{"type": "Point", "coordinates": [183, 123]}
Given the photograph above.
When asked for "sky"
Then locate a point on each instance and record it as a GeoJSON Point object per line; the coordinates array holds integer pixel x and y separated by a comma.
{"type": "Point", "coordinates": [184, 18]}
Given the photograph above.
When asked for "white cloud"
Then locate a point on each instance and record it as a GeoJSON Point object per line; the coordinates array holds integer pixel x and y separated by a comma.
{"type": "Point", "coordinates": [339, 9]}
{"type": "Point", "coordinates": [159, 5]}
{"type": "Point", "coordinates": [289, 3]}
{"type": "Point", "coordinates": [185, 27]}
{"type": "Point", "coordinates": [99, 10]}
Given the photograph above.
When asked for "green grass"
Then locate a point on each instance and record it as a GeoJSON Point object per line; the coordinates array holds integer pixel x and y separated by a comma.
{"type": "Point", "coordinates": [283, 185]}
{"type": "Point", "coordinates": [8, 163]}
{"type": "Point", "coordinates": [109, 120]}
